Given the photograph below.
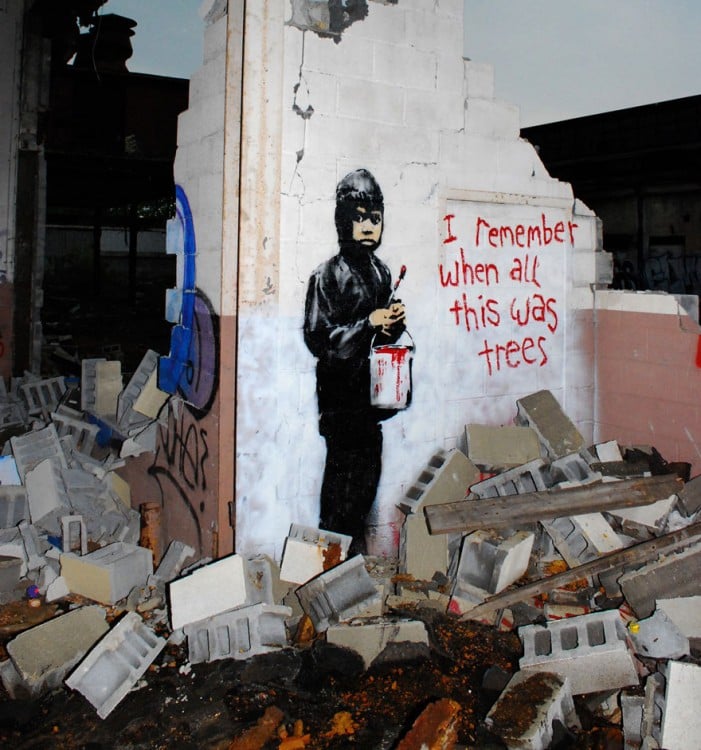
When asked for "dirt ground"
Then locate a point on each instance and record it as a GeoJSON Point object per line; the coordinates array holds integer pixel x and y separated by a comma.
{"type": "Point", "coordinates": [328, 701]}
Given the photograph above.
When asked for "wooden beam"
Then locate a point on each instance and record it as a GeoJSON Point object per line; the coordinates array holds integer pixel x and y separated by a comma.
{"type": "Point", "coordinates": [517, 510]}
{"type": "Point", "coordinates": [630, 556]}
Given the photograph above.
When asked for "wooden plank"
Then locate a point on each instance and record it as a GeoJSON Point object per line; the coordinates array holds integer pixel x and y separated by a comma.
{"type": "Point", "coordinates": [518, 510]}
{"type": "Point", "coordinates": [636, 555]}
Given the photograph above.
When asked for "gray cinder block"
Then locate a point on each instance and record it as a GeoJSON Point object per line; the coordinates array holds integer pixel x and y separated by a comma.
{"type": "Point", "coordinates": [238, 634]}
{"type": "Point", "coordinates": [338, 594]}
{"type": "Point", "coordinates": [127, 417]}
{"type": "Point", "coordinates": [491, 563]}
{"type": "Point", "coordinates": [116, 663]}
{"type": "Point", "coordinates": [34, 447]}
{"type": "Point", "coordinates": [582, 538]}
{"type": "Point", "coordinates": [44, 654]}
{"type": "Point", "coordinates": [533, 476]}
{"type": "Point", "coordinates": [556, 432]}
{"type": "Point", "coordinates": [43, 396]}
{"type": "Point", "coordinates": [501, 447]}
{"type": "Point", "coordinates": [421, 554]}
{"type": "Point", "coordinates": [13, 505]}
{"type": "Point", "coordinates": [445, 478]}
{"type": "Point", "coordinates": [590, 649]}
{"type": "Point", "coordinates": [674, 575]}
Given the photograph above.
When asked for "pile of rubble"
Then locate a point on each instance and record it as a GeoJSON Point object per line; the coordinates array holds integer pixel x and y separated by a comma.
{"type": "Point", "coordinates": [588, 554]}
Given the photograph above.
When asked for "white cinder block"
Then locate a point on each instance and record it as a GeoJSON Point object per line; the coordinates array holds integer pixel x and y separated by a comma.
{"type": "Point", "coordinates": [681, 722]}
{"type": "Point", "coordinates": [494, 119]}
{"type": "Point", "coordinates": [405, 67]}
{"type": "Point", "coordinates": [381, 102]}
{"type": "Point", "coordinates": [207, 591]}
{"type": "Point", "coordinates": [478, 80]}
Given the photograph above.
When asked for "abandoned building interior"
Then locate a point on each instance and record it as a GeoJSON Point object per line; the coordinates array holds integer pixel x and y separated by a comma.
{"type": "Point", "coordinates": [528, 577]}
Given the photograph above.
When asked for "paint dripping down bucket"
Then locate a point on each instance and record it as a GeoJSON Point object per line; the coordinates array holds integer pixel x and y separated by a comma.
{"type": "Point", "coordinates": [390, 373]}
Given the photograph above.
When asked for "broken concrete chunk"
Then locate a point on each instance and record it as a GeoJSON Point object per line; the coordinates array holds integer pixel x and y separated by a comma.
{"type": "Point", "coordinates": [556, 432]}
{"type": "Point", "coordinates": [45, 654]}
{"type": "Point", "coordinates": [690, 496]}
{"type": "Point", "coordinates": [436, 727]}
{"type": "Point", "coordinates": [685, 613]}
{"type": "Point", "coordinates": [499, 448]}
{"type": "Point", "coordinates": [526, 713]}
{"type": "Point", "coordinates": [116, 663]}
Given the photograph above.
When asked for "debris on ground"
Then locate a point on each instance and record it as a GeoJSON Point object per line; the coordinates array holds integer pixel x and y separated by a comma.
{"type": "Point", "coordinates": [545, 594]}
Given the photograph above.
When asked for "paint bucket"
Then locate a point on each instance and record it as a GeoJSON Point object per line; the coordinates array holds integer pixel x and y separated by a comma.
{"type": "Point", "coordinates": [390, 373]}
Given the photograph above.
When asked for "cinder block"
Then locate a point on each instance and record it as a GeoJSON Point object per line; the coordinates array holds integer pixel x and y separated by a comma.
{"type": "Point", "coordinates": [681, 722]}
{"type": "Point", "coordinates": [591, 650]}
{"type": "Point", "coordinates": [13, 505]}
{"type": "Point", "coordinates": [238, 634]}
{"type": "Point", "coordinates": [309, 550]}
{"type": "Point", "coordinates": [74, 534]}
{"type": "Point", "coordinates": [533, 476]}
{"type": "Point", "coordinates": [685, 613]}
{"type": "Point", "coordinates": [539, 700]}
{"type": "Point", "coordinates": [573, 469]}
{"type": "Point", "coordinates": [83, 435]}
{"type": "Point", "coordinates": [172, 562]}
{"type": "Point", "coordinates": [151, 398]}
{"type": "Point", "coordinates": [338, 594]}
{"type": "Point", "coordinates": [127, 417]}
{"type": "Point", "coordinates": [446, 478]}
{"type": "Point", "coordinates": [45, 654]}
{"type": "Point", "coordinates": [43, 396]}
{"type": "Point", "coordinates": [34, 447]}
{"type": "Point", "coordinates": [422, 555]}
{"type": "Point", "coordinates": [642, 522]}
{"type": "Point", "coordinates": [33, 551]}
{"type": "Point", "coordinates": [116, 663]}
{"type": "Point", "coordinates": [557, 433]}
{"type": "Point", "coordinates": [8, 472]}
{"type": "Point", "coordinates": [10, 568]}
{"type": "Point", "coordinates": [499, 448]}
{"type": "Point", "coordinates": [675, 575]}
{"type": "Point", "coordinates": [492, 563]}
{"type": "Point", "coordinates": [216, 587]}
{"type": "Point", "coordinates": [582, 538]}
{"type": "Point", "coordinates": [369, 639]}
{"type": "Point", "coordinates": [690, 496]}
{"type": "Point", "coordinates": [107, 574]}
{"type": "Point", "coordinates": [108, 387]}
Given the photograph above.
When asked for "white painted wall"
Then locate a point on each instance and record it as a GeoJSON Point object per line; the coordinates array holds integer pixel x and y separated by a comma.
{"type": "Point", "coordinates": [395, 96]}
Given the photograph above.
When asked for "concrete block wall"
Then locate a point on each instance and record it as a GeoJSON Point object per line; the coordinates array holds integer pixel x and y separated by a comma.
{"type": "Point", "coordinates": [395, 96]}
{"type": "Point", "coordinates": [648, 372]}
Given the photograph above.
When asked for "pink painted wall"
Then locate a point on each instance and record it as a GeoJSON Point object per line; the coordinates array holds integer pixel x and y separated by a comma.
{"type": "Point", "coordinates": [649, 382]}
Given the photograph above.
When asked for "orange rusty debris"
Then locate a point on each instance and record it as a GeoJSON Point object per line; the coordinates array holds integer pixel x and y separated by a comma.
{"type": "Point", "coordinates": [332, 556]}
{"type": "Point", "coordinates": [341, 724]}
{"type": "Point", "coordinates": [436, 728]}
{"type": "Point", "coordinates": [297, 740]}
{"type": "Point", "coordinates": [264, 730]}
{"type": "Point", "coordinates": [305, 631]}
